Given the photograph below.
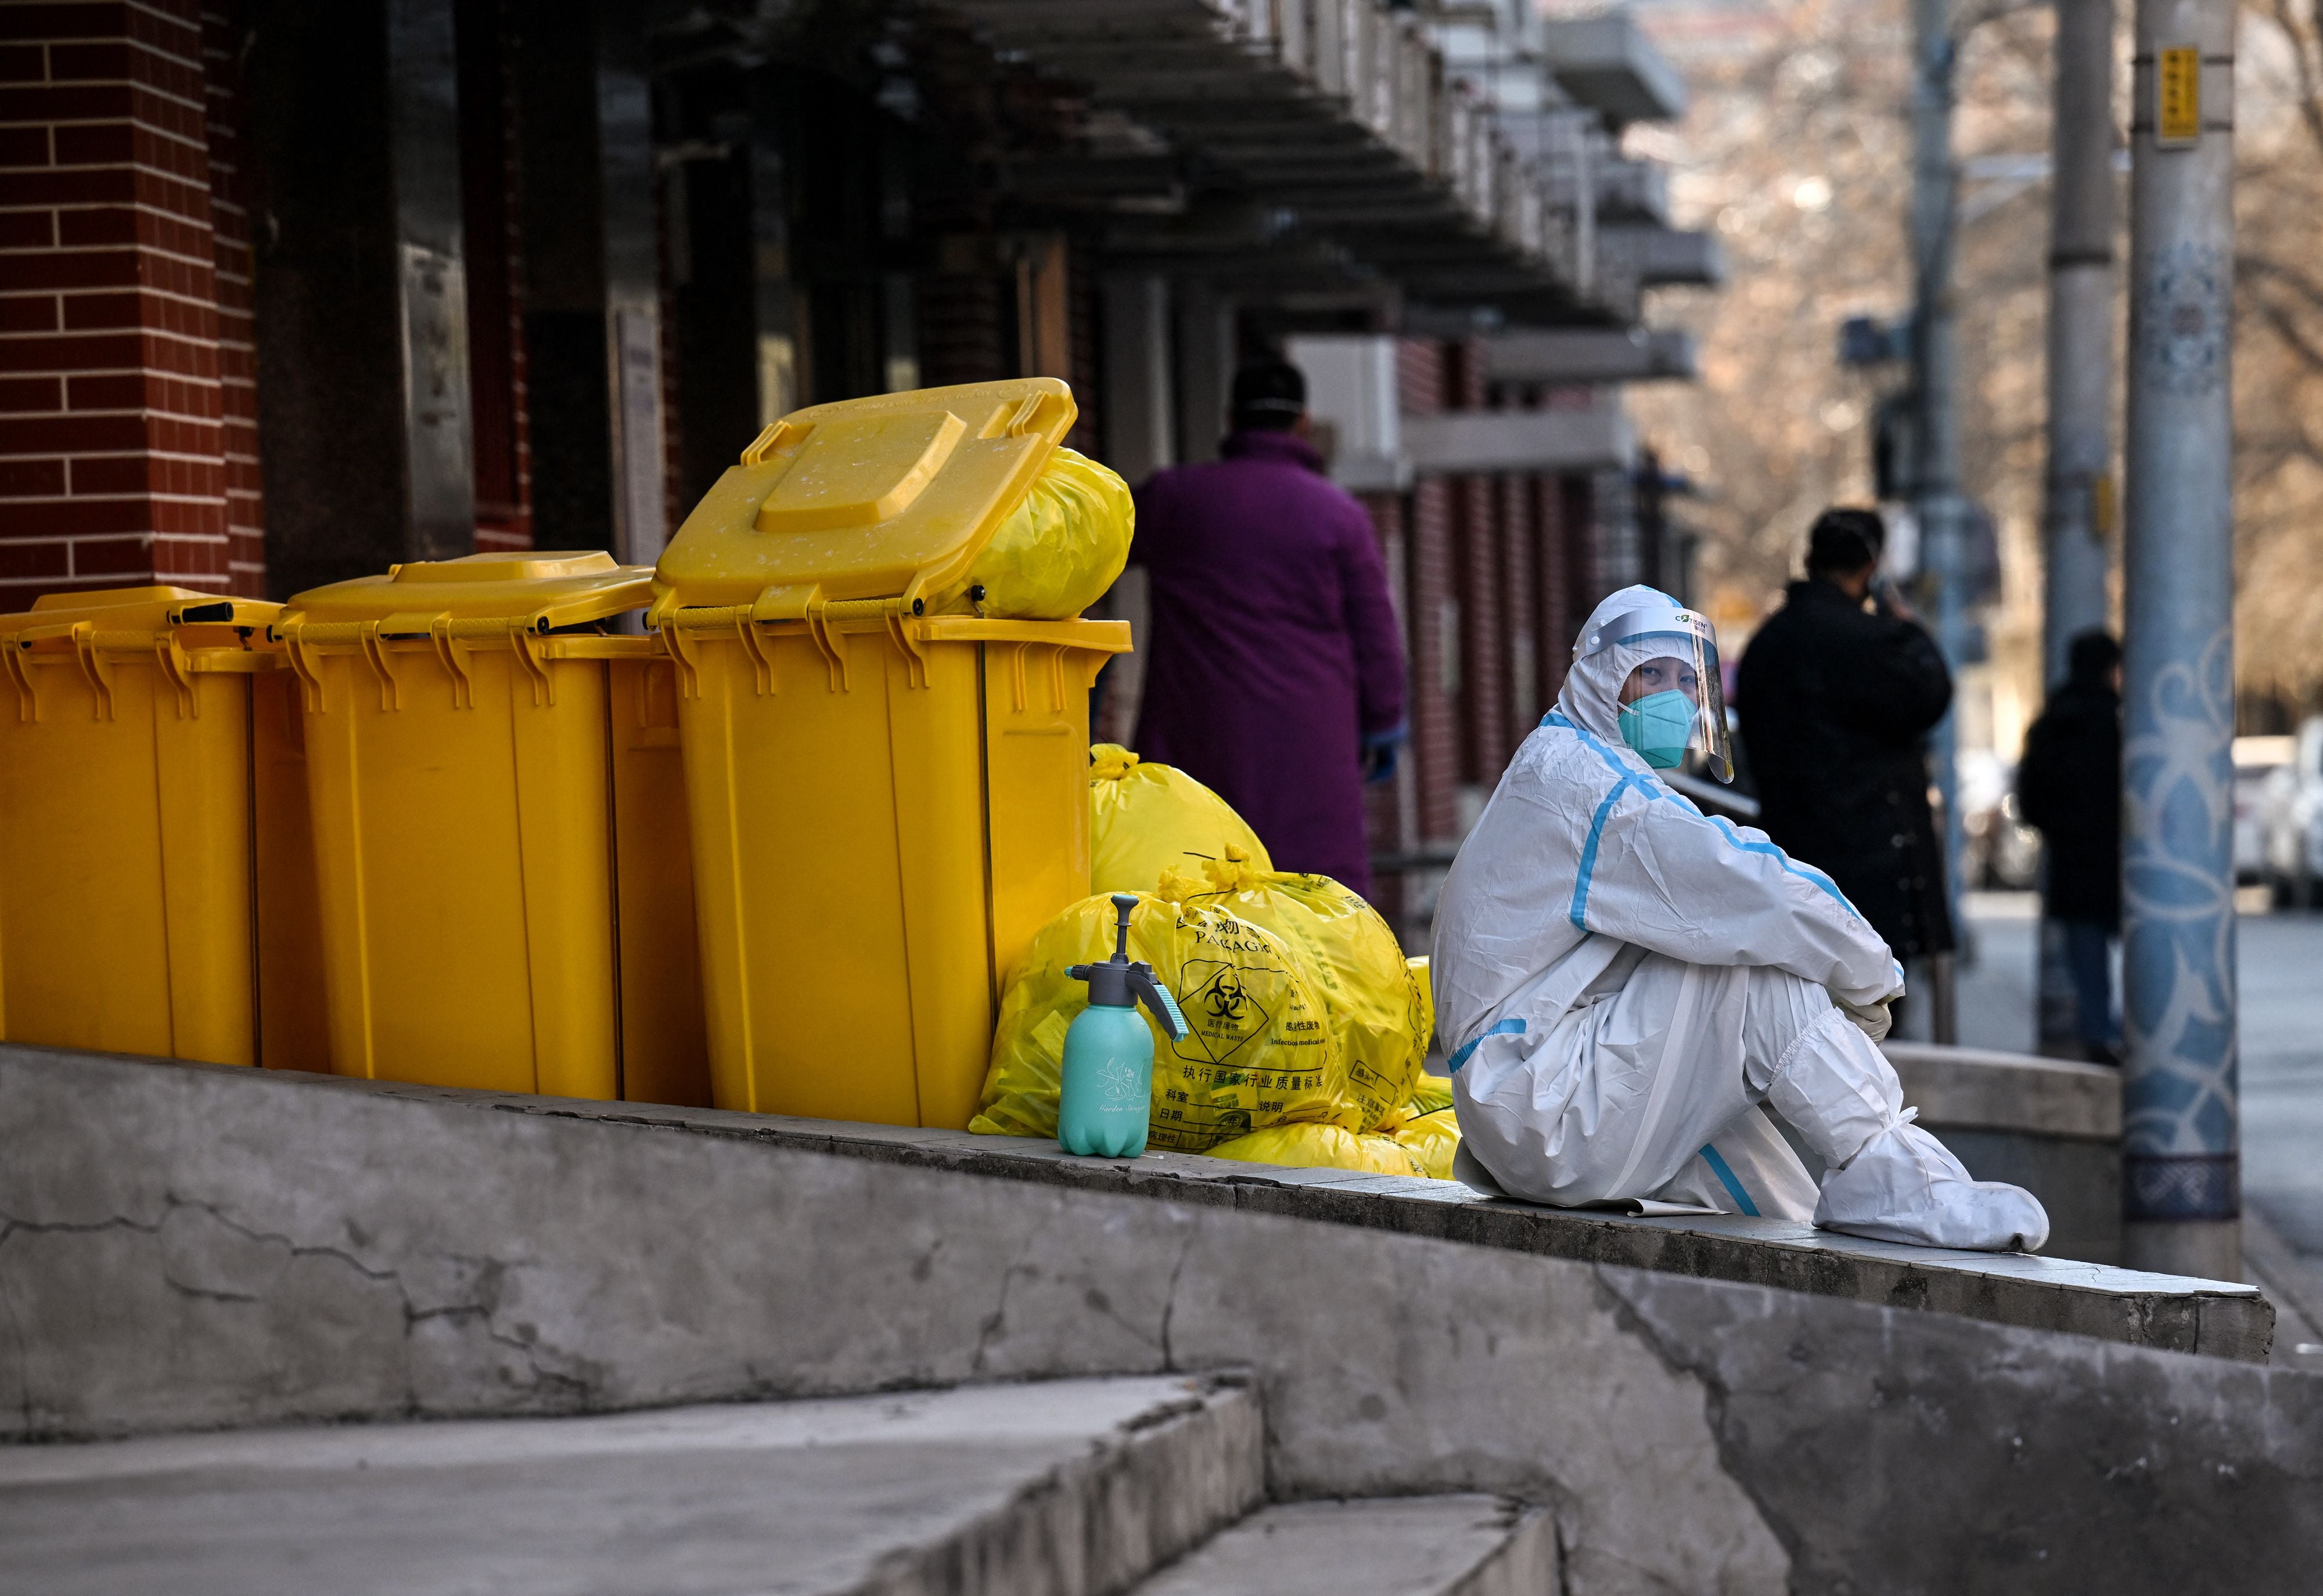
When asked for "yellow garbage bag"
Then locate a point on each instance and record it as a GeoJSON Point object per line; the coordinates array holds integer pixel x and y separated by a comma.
{"type": "Point", "coordinates": [1428, 1093]}
{"type": "Point", "coordinates": [1145, 818]}
{"type": "Point", "coordinates": [1430, 1137]}
{"type": "Point", "coordinates": [1256, 1051]}
{"type": "Point", "coordinates": [1369, 994]}
{"type": "Point", "coordinates": [1426, 986]}
{"type": "Point", "coordinates": [1061, 547]}
{"type": "Point", "coordinates": [1322, 1146]}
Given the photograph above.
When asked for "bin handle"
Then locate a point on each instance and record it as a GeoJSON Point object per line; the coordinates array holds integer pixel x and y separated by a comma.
{"type": "Point", "coordinates": [530, 647]}
{"type": "Point", "coordinates": [20, 672]}
{"type": "Point", "coordinates": [779, 438]}
{"type": "Point", "coordinates": [374, 653]}
{"type": "Point", "coordinates": [679, 649]}
{"type": "Point", "coordinates": [171, 656]}
{"type": "Point", "coordinates": [453, 656]}
{"type": "Point", "coordinates": [94, 666]}
{"type": "Point", "coordinates": [302, 665]}
{"type": "Point", "coordinates": [755, 645]}
{"type": "Point", "coordinates": [833, 644]}
{"type": "Point", "coordinates": [915, 663]}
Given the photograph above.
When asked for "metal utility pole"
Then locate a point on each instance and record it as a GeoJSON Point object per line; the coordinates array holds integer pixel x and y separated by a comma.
{"type": "Point", "coordinates": [2181, 1187]}
{"type": "Point", "coordinates": [2076, 502]}
{"type": "Point", "coordinates": [1938, 508]}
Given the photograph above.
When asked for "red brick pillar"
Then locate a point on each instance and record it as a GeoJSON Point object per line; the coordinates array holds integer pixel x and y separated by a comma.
{"type": "Point", "coordinates": [1430, 609]}
{"type": "Point", "coordinates": [1391, 817]}
{"type": "Point", "coordinates": [1483, 680]}
{"type": "Point", "coordinates": [492, 246]}
{"type": "Point", "coordinates": [117, 462]}
{"type": "Point", "coordinates": [1476, 540]}
{"type": "Point", "coordinates": [1552, 587]}
{"type": "Point", "coordinates": [1518, 583]}
{"type": "Point", "coordinates": [230, 252]}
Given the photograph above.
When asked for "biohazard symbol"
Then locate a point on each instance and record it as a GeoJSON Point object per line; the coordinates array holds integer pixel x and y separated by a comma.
{"type": "Point", "coordinates": [1223, 1003]}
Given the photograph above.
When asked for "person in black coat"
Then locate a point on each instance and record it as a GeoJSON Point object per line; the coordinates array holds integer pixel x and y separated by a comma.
{"type": "Point", "coordinates": [2069, 789]}
{"type": "Point", "coordinates": [1836, 701]}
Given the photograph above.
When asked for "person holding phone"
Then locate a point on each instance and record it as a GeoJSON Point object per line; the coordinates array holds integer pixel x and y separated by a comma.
{"type": "Point", "coordinates": [1836, 695]}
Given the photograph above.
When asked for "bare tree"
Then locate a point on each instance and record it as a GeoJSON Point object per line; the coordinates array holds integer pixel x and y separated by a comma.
{"type": "Point", "coordinates": [2279, 347]}
{"type": "Point", "coordinates": [1797, 154]}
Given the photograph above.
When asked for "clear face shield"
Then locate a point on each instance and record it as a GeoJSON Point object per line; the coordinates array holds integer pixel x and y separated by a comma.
{"type": "Point", "coordinates": [1673, 700]}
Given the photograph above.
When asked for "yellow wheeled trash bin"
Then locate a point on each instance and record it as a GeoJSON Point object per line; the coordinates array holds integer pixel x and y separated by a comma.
{"type": "Point", "coordinates": [889, 790]}
{"type": "Point", "coordinates": [499, 829]}
{"type": "Point", "coordinates": [156, 885]}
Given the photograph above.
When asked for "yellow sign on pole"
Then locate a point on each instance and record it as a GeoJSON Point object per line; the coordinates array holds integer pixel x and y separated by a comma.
{"type": "Point", "coordinates": [2178, 97]}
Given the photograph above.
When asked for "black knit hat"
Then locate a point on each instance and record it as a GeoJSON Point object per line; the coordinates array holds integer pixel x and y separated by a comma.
{"type": "Point", "coordinates": [1269, 395]}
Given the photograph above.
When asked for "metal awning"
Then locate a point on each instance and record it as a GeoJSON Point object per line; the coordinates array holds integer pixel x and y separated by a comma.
{"type": "Point", "coordinates": [1341, 113]}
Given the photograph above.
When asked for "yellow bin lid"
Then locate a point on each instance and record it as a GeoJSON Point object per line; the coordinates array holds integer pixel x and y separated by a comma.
{"type": "Point", "coordinates": [542, 592]}
{"type": "Point", "coordinates": [886, 498]}
{"type": "Point", "coordinates": [151, 609]}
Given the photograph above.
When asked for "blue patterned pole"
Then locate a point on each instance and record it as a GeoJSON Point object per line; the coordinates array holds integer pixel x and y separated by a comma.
{"type": "Point", "coordinates": [2181, 1181]}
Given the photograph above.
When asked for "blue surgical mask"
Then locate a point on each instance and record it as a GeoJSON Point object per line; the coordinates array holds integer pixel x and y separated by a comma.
{"type": "Point", "coordinates": [1659, 726]}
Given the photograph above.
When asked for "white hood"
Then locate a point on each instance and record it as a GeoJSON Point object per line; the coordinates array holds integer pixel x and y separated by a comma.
{"type": "Point", "coordinates": [1591, 697]}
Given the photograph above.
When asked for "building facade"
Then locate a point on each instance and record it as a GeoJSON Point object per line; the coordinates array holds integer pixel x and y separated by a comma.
{"type": "Point", "coordinates": [288, 293]}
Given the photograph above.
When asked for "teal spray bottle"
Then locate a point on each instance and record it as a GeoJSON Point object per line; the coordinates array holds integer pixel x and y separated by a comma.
{"type": "Point", "coordinates": [1107, 1092]}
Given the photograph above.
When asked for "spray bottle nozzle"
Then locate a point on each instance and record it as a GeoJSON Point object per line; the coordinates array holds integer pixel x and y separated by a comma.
{"type": "Point", "coordinates": [1122, 983]}
{"type": "Point", "coordinates": [1123, 903]}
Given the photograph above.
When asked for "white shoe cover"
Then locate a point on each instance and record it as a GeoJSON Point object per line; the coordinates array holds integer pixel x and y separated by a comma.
{"type": "Point", "coordinates": [1884, 1176]}
{"type": "Point", "coordinates": [1907, 1187]}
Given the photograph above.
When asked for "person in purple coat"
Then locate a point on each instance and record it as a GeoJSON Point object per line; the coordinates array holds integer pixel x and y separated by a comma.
{"type": "Point", "coordinates": [1275, 670]}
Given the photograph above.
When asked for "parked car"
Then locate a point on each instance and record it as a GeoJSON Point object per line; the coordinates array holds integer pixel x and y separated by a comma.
{"type": "Point", "coordinates": [2256, 759]}
{"type": "Point", "coordinates": [2290, 821]}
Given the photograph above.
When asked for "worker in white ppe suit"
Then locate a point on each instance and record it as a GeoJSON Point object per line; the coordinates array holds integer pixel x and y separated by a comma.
{"type": "Point", "coordinates": [1620, 982]}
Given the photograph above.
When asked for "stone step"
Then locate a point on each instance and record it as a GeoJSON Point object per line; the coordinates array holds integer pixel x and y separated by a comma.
{"type": "Point", "coordinates": [1403, 1545]}
{"type": "Point", "coordinates": [1059, 1488]}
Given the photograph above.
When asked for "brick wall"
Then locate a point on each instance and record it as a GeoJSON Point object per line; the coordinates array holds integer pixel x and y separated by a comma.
{"type": "Point", "coordinates": [1519, 556]}
{"type": "Point", "coordinates": [1483, 706]}
{"type": "Point", "coordinates": [960, 329]}
{"type": "Point", "coordinates": [122, 457]}
{"type": "Point", "coordinates": [492, 229]}
{"type": "Point", "coordinates": [1390, 809]}
{"type": "Point", "coordinates": [1552, 587]}
{"type": "Point", "coordinates": [1433, 623]}
{"type": "Point", "coordinates": [237, 346]}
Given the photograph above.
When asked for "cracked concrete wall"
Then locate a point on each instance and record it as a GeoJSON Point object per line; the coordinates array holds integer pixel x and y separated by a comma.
{"type": "Point", "coordinates": [183, 1248]}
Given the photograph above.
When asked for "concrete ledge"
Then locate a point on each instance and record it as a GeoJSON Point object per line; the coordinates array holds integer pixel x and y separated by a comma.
{"type": "Point", "coordinates": [1972, 1090]}
{"type": "Point", "coordinates": [2212, 1318]}
{"type": "Point", "coordinates": [185, 1248]}
{"type": "Point", "coordinates": [2217, 1318]}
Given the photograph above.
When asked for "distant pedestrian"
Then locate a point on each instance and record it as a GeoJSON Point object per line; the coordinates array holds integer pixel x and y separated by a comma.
{"type": "Point", "coordinates": [1275, 669]}
{"type": "Point", "coordinates": [2069, 789]}
{"type": "Point", "coordinates": [1836, 695]}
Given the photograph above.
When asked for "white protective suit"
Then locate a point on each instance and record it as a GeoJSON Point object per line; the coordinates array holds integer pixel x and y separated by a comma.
{"type": "Point", "coordinates": [1620, 982]}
